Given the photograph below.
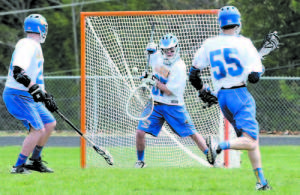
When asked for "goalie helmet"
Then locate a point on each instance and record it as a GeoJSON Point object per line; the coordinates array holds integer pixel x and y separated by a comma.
{"type": "Point", "coordinates": [228, 16]}
{"type": "Point", "coordinates": [169, 48]}
{"type": "Point", "coordinates": [36, 23]}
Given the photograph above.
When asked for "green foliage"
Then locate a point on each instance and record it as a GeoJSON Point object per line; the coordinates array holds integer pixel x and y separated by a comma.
{"type": "Point", "coordinates": [261, 17]}
{"type": "Point", "coordinates": [70, 179]}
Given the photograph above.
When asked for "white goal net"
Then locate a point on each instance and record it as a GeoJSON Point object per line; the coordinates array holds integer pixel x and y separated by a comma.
{"type": "Point", "coordinates": [113, 43]}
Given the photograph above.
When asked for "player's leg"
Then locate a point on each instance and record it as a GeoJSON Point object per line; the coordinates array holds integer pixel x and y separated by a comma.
{"type": "Point", "coordinates": [28, 145]}
{"type": "Point", "coordinates": [140, 148]}
{"type": "Point", "coordinates": [200, 142]}
{"type": "Point", "coordinates": [35, 162]}
{"type": "Point", "coordinates": [152, 126]}
{"type": "Point", "coordinates": [21, 105]}
{"type": "Point", "coordinates": [241, 113]}
{"type": "Point", "coordinates": [181, 123]}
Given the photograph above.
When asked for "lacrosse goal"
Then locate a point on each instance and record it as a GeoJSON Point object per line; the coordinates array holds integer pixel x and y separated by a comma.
{"type": "Point", "coordinates": [112, 44]}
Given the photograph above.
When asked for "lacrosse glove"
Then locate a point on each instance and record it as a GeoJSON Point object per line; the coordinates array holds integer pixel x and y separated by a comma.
{"type": "Point", "coordinates": [207, 97]}
{"type": "Point", "coordinates": [37, 93]}
{"type": "Point", "coordinates": [253, 77]}
{"type": "Point", "coordinates": [50, 103]}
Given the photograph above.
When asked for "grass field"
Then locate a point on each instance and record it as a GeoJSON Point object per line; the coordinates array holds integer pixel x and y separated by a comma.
{"type": "Point", "coordinates": [281, 167]}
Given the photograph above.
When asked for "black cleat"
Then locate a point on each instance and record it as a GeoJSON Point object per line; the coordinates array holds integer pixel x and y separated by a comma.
{"type": "Point", "coordinates": [37, 165]}
{"type": "Point", "coordinates": [19, 170]}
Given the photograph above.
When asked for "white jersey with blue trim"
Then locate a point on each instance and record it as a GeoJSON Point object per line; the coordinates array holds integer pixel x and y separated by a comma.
{"type": "Point", "coordinates": [174, 76]}
{"type": "Point", "coordinates": [28, 55]}
{"type": "Point", "coordinates": [232, 58]}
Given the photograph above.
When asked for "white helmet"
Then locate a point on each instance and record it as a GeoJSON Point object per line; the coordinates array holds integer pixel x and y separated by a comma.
{"type": "Point", "coordinates": [169, 42]}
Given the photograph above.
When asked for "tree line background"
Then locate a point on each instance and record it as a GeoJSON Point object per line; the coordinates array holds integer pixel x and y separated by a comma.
{"type": "Point", "coordinates": [278, 107]}
{"type": "Point", "coordinates": [63, 41]}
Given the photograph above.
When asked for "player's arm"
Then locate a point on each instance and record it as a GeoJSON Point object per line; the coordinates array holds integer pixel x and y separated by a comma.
{"type": "Point", "coordinates": [194, 77]}
{"type": "Point", "coordinates": [269, 44]}
{"type": "Point", "coordinates": [34, 89]}
{"type": "Point", "coordinates": [20, 76]}
{"type": "Point", "coordinates": [163, 88]}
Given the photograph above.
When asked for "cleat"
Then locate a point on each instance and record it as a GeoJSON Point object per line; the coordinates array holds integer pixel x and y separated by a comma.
{"type": "Point", "coordinates": [211, 154]}
{"type": "Point", "coordinates": [263, 188]}
{"type": "Point", "coordinates": [140, 164]}
{"type": "Point", "coordinates": [37, 165]}
{"type": "Point", "coordinates": [19, 170]}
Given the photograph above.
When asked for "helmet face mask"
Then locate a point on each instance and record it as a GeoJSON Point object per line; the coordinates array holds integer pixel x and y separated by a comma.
{"type": "Point", "coordinates": [169, 48]}
{"type": "Point", "coordinates": [229, 16]}
{"type": "Point", "coordinates": [36, 23]}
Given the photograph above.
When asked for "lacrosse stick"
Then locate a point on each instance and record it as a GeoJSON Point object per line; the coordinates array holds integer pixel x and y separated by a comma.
{"type": "Point", "coordinates": [104, 153]}
{"type": "Point", "coordinates": [269, 44]}
{"type": "Point", "coordinates": [140, 103]}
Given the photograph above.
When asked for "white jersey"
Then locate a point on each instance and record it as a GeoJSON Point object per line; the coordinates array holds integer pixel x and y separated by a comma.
{"type": "Point", "coordinates": [174, 76]}
{"type": "Point", "coordinates": [28, 55]}
{"type": "Point", "coordinates": [231, 57]}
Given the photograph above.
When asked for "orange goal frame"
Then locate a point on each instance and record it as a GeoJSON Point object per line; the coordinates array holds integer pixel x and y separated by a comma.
{"type": "Point", "coordinates": [83, 60]}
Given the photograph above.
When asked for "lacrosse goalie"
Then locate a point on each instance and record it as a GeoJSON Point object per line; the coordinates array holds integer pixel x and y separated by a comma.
{"type": "Point", "coordinates": [234, 60]}
{"type": "Point", "coordinates": [169, 71]}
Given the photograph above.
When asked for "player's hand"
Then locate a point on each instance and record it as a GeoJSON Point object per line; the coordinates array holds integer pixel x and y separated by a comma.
{"type": "Point", "coordinates": [151, 48]}
{"type": "Point", "coordinates": [144, 75]}
{"type": "Point", "coordinates": [37, 93]}
{"type": "Point", "coordinates": [50, 103]}
{"type": "Point", "coordinates": [207, 97]}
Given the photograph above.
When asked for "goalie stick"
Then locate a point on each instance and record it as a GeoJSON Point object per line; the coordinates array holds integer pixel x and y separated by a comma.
{"type": "Point", "coordinates": [101, 151]}
{"type": "Point", "coordinates": [140, 104]}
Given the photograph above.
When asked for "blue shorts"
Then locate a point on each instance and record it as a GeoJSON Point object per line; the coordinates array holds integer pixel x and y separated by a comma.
{"type": "Point", "coordinates": [238, 107]}
{"type": "Point", "coordinates": [21, 105]}
{"type": "Point", "coordinates": [176, 117]}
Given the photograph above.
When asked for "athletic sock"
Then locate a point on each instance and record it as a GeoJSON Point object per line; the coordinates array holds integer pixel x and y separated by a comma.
{"type": "Point", "coordinates": [140, 155]}
{"type": "Point", "coordinates": [21, 160]}
{"type": "Point", "coordinates": [223, 146]}
{"type": "Point", "coordinates": [37, 152]}
{"type": "Point", "coordinates": [205, 151]}
{"type": "Point", "coordinates": [260, 176]}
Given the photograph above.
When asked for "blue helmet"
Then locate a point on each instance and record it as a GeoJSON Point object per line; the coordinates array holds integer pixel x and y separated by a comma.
{"type": "Point", "coordinates": [229, 15]}
{"type": "Point", "coordinates": [166, 42]}
{"type": "Point", "coordinates": [36, 23]}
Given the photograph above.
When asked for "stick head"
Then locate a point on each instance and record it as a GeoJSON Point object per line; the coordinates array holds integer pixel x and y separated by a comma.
{"type": "Point", "coordinates": [105, 154]}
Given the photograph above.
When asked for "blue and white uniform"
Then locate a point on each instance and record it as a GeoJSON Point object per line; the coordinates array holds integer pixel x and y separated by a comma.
{"type": "Point", "coordinates": [232, 58]}
{"type": "Point", "coordinates": [169, 108]}
{"type": "Point", "coordinates": [28, 55]}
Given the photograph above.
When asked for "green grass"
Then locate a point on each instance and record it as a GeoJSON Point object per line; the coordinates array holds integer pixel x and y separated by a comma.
{"type": "Point", "coordinates": [281, 167]}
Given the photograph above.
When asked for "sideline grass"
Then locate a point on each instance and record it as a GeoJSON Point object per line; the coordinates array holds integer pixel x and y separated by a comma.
{"type": "Point", "coordinates": [281, 167]}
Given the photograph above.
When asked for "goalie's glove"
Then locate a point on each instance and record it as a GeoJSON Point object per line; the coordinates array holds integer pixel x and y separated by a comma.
{"type": "Point", "coordinates": [151, 48]}
{"type": "Point", "coordinates": [50, 103]}
{"type": "Point", "coordinates": [207, 97]}
{"type": "Point", "coordinates": [269, 44]}
{"type": "Point", "coordinates": [37, 93]}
